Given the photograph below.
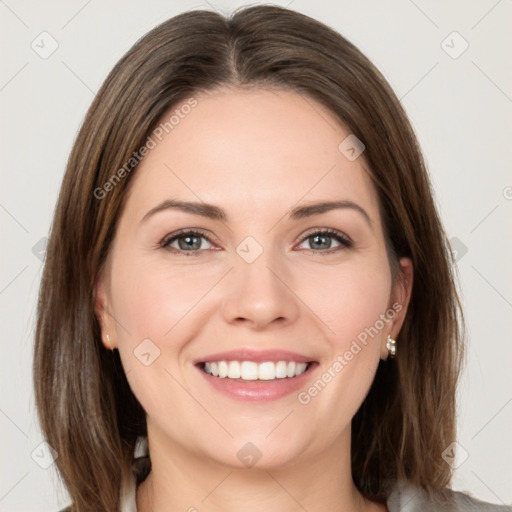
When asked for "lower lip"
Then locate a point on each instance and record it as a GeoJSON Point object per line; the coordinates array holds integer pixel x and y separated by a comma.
{"type": "Point", "coordinates": [258, 390]}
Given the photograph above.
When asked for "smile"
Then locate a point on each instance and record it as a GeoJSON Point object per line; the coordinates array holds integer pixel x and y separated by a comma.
{"type": "Point", "coordinates": [256, 375]}
{"type": "Point", "coordinates": [251, 370]}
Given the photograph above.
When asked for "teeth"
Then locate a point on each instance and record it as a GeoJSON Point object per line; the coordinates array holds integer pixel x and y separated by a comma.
{"type": "Point", "coordinates": [223, 369]}
{"type": "Point", "coordinates": [233, 370]}
{"type": "Point", "coordinates": [290, 371]}
{"type": "Point", "coordinates": [249, 370]}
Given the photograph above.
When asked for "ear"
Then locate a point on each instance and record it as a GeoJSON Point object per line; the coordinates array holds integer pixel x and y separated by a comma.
{"type": "Point", "coordinates": [103, 314]}
{"type": "Point", "coordinates": [399, 302]}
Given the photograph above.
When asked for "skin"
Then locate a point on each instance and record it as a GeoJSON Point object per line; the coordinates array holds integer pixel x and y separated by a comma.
{"type": "Point", "coordinates": [256, 154]}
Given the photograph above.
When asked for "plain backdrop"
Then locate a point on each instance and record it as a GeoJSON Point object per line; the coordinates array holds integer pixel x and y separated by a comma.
{"type": "Point", "coordinates": [449, 63]}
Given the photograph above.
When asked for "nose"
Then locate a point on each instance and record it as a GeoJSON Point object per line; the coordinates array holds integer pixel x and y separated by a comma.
{"type": "Point", "coordinates": [260, 294]}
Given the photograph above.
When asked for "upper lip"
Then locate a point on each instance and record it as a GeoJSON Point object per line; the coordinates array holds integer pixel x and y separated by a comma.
{"type": "Point", "coordinates": [258, 356]}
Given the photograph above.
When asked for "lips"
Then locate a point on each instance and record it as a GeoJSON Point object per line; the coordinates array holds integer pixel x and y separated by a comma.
{"type": "Point", "coordinates": [257, 356]}
{"type": "Point", "coordinates": [256, 374]}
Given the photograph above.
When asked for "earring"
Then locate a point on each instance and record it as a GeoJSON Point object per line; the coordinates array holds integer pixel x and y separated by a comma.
{"type": "Point", "coordinates": [391, 346]}
{"type": "Point", "coordinates": [107, 341]}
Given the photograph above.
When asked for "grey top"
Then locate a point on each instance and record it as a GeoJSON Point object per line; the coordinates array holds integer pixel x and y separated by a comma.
{"type": "Point", "coordinates": [406, 498]}
{"type": "Point", "coordinates": [403, 498]}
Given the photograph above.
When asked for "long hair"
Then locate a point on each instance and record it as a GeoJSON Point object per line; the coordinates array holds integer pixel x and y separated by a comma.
{"type": "Point", "coordinates": [87, 410]}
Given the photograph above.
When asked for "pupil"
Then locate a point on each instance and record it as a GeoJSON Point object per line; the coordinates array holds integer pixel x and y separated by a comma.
{"type": "Point", "coordinates": [190, 242]}
{"type": "Point", "coordinates": [321, 241]}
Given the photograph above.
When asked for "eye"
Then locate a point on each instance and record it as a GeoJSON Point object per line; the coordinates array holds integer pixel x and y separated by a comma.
{"type": "Point", "coordinates": [326, 240]}
{"type": "Point", "coordinates": [189, 241]}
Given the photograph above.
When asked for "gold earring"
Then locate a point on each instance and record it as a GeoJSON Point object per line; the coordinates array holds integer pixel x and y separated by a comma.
{"type": "Point", "coordinates": [391, 346]}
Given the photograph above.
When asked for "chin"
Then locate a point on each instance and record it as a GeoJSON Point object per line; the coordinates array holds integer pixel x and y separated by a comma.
{"type": "Point", "coordinates": [258, 452]}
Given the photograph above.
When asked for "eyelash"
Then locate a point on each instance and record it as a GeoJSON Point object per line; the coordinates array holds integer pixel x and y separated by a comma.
{"type": "Point", "coordinates": [345, 242]}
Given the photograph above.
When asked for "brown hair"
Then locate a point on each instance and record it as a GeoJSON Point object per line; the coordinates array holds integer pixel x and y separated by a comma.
{"type": "Point", "coordinates": [86, 408]}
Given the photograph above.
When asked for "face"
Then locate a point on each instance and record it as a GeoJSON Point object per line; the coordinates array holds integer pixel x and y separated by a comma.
{"type": "Point", "coordinates": [250, 245]}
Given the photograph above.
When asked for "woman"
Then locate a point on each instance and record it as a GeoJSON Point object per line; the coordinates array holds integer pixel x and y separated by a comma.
{"type": "Point", "coordinates": [246, 270]}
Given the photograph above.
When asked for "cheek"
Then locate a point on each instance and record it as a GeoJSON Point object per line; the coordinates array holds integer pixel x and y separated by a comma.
{"type": "Point", "coordinates": [157, 306]}
{"type": "Point", "coordinates": [352, 304]}
{"type": "Point", "coordinates": [150, 300]}
{"type": "Point", "coordinates": [349, 300]}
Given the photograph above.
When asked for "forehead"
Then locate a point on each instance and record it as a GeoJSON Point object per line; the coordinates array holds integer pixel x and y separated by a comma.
{"type": "Point", "coordinates": [262, 149]}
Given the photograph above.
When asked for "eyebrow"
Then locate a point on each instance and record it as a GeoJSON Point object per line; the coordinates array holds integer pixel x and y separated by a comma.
{"type": "Point", "coordinates": [213, 212]}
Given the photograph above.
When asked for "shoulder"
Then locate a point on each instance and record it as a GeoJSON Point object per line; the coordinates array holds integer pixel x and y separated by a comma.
{"type": "Point", "coordinates": [407, 498]}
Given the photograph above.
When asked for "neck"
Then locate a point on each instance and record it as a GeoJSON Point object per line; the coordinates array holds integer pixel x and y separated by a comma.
{"type": "Point", "coordinates": [181, 480]}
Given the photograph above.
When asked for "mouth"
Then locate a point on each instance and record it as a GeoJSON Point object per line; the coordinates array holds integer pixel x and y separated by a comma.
{"type": "Point", "coordinates": [245, 371]}
{"type": "Point", "coordinates": [256, 375]}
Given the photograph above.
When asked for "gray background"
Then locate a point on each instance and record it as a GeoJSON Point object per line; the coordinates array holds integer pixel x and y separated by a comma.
{"type": "Point", "coordinates": [460, 105]}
